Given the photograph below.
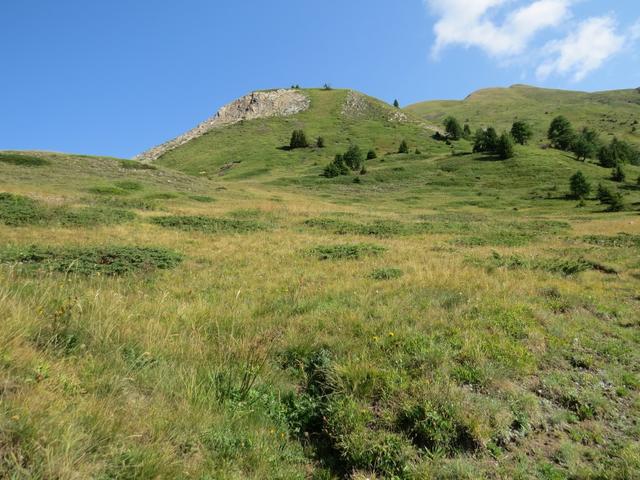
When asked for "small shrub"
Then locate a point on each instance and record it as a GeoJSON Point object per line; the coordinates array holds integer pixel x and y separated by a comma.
{"type": "Point", "coordinates": [371, 154]}
{"type": "Point", "coordinates": [404, 147]}
{"type": "Point", "coordinates": [386, 274]}
{"type": "Point", "coordinates": [208, 224]}
{"type": "Point", "coordinates": [347, 252]}
{"type": "Point", "coordinates": [320, 142]}
{"type": "Point", "coordinates": [108, 260]}
{"type": "Point", "coordinates": [23, 160]}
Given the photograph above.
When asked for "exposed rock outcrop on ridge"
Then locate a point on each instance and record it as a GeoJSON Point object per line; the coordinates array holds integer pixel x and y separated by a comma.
{"type": "Point", "coordinates": [263, 104]}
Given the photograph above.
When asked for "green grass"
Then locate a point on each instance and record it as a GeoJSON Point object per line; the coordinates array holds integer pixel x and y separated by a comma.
{"type": "Point", "coordinates": [295, 349]}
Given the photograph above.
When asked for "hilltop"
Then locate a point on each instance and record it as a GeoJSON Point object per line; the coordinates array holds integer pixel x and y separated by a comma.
{"type": "Point", "coordinates": [255, 145]}
{"type": "Point", "coordinates": [611, 113]}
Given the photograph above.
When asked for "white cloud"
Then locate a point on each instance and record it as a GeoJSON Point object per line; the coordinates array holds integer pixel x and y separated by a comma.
{"type": "Point", "coordinates": [634, 32]}
{"type": "Point", "coordinates": [468, 23]}
{"type": "Point", "coordinates": [505, 29]}
{"type": "Point", "coordinates": [583, 51]}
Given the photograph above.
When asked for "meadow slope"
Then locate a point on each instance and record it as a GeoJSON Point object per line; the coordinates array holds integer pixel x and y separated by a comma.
{"type": "Point", "coordinates": [445, 315]}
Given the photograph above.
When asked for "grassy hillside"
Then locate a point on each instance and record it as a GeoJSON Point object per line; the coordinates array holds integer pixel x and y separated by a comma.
{"type": "Point", "coordinates": [255, 148]}
{"type": "Point", "coordinates": [445, 315]}
{"type": "Point", "coordinates": [612, 113]}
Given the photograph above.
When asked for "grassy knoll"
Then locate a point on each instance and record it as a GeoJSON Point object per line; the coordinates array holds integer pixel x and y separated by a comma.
{"type": "Point", "coordinates": [450, 317]}
{"type": "Point", "coordinates": [612, 113]}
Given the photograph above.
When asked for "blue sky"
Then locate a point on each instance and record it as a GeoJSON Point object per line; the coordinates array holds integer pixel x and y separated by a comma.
{"type": "Point", "coordinates": [116, 77]}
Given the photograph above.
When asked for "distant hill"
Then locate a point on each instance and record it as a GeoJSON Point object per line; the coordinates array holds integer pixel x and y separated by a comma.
{"type": "Point", "coordinates": [614, 112]}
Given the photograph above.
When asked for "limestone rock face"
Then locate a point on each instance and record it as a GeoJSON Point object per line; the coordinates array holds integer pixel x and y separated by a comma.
{"type": "Point", "coordinates": [274, 103]}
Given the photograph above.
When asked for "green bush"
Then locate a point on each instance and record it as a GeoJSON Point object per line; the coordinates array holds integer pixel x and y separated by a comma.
{"type": "Point", "coordinates": [108, 260]}
{"type": "Point", "coordinates": [346, 252]}
{"type": "Point", "coordinates": [208, 224]}
{"type": "Point", "coordinates": [404, 147]}
{"type": "Point", "coordinates": [23, 160]}
{"type": "Point", "coordinates": [371, 154]}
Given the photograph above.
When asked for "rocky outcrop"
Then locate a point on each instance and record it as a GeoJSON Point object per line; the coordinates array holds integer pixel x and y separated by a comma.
{"type": "Point", "coordinates": [274, 103]}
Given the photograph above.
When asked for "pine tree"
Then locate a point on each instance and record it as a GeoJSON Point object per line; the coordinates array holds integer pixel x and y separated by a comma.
{"type": "Point", "coordinates": [298, 140]}
{"type": "Point", "coordinates": [521, 132]}
{"type": "Point", "coordinates": [396, 103]}
{"type": "Point", "coordinates": [505, 148]}
{"type": "Point", "coordinates": [353, 158]}
{"type": "Point", "coordinates": [561, 133]}
{"type": "Point", "coordinates": [579, 186]}
{"type": "Point", "coordinates": [453, 128]}
{"type": "Point", "coordinates": [404, 147]}
{"type": "Point", "coordinates": [618, 174]}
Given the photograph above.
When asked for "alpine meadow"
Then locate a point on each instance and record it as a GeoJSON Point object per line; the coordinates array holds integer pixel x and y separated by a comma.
{"type": "Point", "coordinates": [317, 284]}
